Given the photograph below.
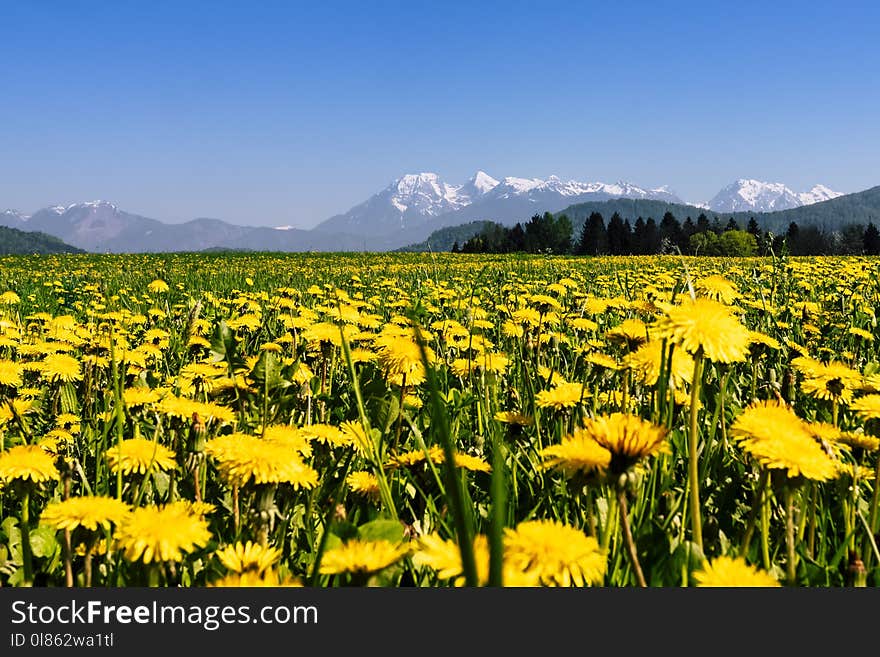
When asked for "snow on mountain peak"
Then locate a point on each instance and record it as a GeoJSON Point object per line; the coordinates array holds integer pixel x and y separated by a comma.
{"type": "Point", "coordinates": [483, 182]}
{"type": "Point", "coordinates": [817, 194]}
{"type": "Point", "coordinates": [95, 204]}
{"type": "Point", "coordinates": [750, 195]}
{"type": "Point", "coordinates": [424, 193]}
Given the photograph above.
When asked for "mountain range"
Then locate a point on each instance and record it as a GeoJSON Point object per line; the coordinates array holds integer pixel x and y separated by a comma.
{"type": "Point", "coordinates": [407, 211]}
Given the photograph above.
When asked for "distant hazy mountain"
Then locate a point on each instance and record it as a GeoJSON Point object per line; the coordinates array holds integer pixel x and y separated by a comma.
{"type": "Point", "coordinates": [748, 195]}
{"type": "Point", "coordinates": [12, 219]}
{"type": "Point", "coordinates": [414, 206]}
{"type": "Point", "coordinates": [100, 226]}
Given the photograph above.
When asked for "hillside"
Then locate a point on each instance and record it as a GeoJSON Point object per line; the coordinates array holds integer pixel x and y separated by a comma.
{"type": "Point", "coordinates": [14, 242]}
{"type": "Point", "coordinates": [832, 215]}
{"type": "Point", "coordinates": [445, 238]}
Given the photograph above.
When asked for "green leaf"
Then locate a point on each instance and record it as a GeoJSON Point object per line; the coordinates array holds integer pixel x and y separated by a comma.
{"type": "Point", "coordinates": [688, 554]}
{"type": "Point", "coordinates": [383, 411]}
{"type": "Point", "coordinates": [9, 525]}
{"type": "Point", "coordinates": [343, 530]}
{"type": "Point", "coordinates": [268, 371]}
{"type": "Point", "coordinates": [381, 530]}
{"type": "Point", "coordinates": [43, 542]}
{"type": "Point", "coordinates": [161, 480]}
{"type": "Point", "coordinates": [333, 542]}
{"type": "Point", "coordinates": [223, 343]}
{"type": "Point", "coordinates": [69, 402]}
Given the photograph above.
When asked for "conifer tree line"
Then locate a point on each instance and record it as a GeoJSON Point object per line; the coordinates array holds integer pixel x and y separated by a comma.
{"type": "Point", "coordinates": [549, 233]}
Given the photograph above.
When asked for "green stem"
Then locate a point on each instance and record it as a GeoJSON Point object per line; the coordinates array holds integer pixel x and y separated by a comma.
{"type": "Point", "coordinates": [628, 538]}
{"type": "Point", "coordinates": [26, 553]}
{"type": "Point", "coordinates": [757, 504]}
{"type": "Point", "coordinates": [765, 532]}
{"type": "Point", "coordinates": [791, 562]}
{"type": "Point", "coordinates": [693, 439]}
{"type": "Point", "coordinates": [608, 529]}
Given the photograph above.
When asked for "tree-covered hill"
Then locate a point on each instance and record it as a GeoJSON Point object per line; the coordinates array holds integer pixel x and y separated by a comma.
{"type": "Point", "coordinates": [14, 241]}
{"type": "Point", "coordinates": [445, 238]}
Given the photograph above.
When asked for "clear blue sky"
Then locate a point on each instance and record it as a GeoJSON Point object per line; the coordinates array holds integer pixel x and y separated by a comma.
{"type": "Point", "coordinates": [286, 113]}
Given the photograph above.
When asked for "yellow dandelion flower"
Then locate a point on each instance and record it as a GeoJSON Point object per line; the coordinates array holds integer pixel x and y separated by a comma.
{"type": "Point", "coordinates": [629, 438]}
{"type": "Point", "coordinates": [867, 407]}
{"type": "Point", "coordinates": [243, 459]}
{"type": "Point", "coordinates": [326, 433]}
{"type": "Point", "coordinates": [140, 396]}
{"type": "Point", "coordinates": [779, 439]}
{"type": "Point", "coordinates": [859, 440]}
{"type": "Point", "coordinates": [438, 554]}
{"type": "Point", "coordinates": [717, 288]}
{"type": "Point", "coordinates": [9, 298]}
{"type": "Point", "coordinates": [362, 557]}
{"type": "Point", "coordinates": [60, 367]}
{"type": "Point", "coordinates": [158, 286]}
{"type": "Point", "coordinates": [364, 483]}
{"type": "Point", "coordinates": [157, 534]}
{"type": "Point", "coordinates": [558, 554]}
{"type": "Point", "coordinates": [861, 333]}
{"type": "Point", "coordinates": [248, 557]}
{"type": "Point", "coordinates": [577, 453]}
{"type": "Point", "coordinates": [27, 462]}
{"type": "Point", "coordinates": [562, 396]}
{"type": "Point", "coordinates": [647, 361]}
{"type": "Point", "coordinates": [10, 373]}
{"type": "Point", "coordinates": [512, 417]}
{"type": "Point", "coordinates": [290, 437]}
{"type": "Point", "coordinates": [251, 579]}
{"type": "Point", "coordinates": [763, 340]}
{"type": "Point", "coordinates": [602, 360]}
{"type": "Point", "coordinates": [630, 333]}
{"type": "Point", "coordinates": [409, 459]}
{"type": "Point", "coordinates": [401, 359]}
{"type": "Point", "coordinates": [324, 333]}
{"type": "Point", "coordinates": [833, 381]}
{"type": "Point", "coordinates": [705, 326]}
{"type": "Point", "coordinates": [731, 572]}
{"type": "Point", "coordinates": [140, 456]}
{"type": "Point", "coordinates": [88, 512]}
{"type": "Point", "coordinates": [444, 557]}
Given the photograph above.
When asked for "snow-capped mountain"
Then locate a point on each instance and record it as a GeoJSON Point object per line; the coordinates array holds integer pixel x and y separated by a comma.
{"type": "Point", "coordinates": [511, 187]}
{"type": "Point", "coordinates": [749, 195]}
{"type": "Point", "coordinates": [12, 218]}
{"type": "Point", "coordinates": [423, 202]}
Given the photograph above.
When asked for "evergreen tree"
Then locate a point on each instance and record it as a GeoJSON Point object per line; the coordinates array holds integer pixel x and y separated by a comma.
{"type": "Point", "coordinates": [792, 236]}
{"type": "Point", "coordinates": [594, 237]}
{"type": "Point", "coordinates": [627, 238]}
{"type": "Point", "coordinates": [561, 233]}
{"type": "Point", "coordinates": [652, 237]}
{"type": "Point", "coordinates": [731, 225]}
{"type": "Point", "coordinates": [871, 240]}
{"type": "Point", "coordinates": [637, 244]}
{"type": "Point", "coordinates": [671, 235]}
{"type": "Point", "coordinates": [703, 225]}
{"type": "Point", "coordinates": [616, 235]}
{"type": "Point", "coordinates": [688, 228]}
{"type": "Point", "coordinates": [753, 228]}
{"type": "Point", "coordinates": [516, 239]}
{"type": "Point", "coordinates": [455, 248]}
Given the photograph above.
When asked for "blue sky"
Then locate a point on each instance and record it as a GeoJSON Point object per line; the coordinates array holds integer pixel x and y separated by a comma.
{"type": "Point", "coordinates": [287, 113]}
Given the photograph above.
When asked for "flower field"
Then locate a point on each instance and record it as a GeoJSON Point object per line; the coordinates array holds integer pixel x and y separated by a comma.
{"type": "Point", "coordinates": [438, 420]}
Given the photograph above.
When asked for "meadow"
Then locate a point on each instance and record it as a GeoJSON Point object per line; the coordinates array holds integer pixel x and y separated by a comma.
{"type": "Point", "coordinates": [440, 419]}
